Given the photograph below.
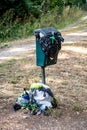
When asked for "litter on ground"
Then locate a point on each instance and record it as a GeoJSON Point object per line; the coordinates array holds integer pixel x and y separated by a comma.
{"type": "Point", "coordinates": [38, 99]}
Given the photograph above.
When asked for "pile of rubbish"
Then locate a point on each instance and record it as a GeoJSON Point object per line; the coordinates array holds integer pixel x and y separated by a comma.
{"type": "Point", "coordinates": [39, 99]}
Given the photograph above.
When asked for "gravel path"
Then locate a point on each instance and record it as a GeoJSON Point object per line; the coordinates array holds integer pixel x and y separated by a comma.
{"type": "Point", "coordinates": [11, 52]}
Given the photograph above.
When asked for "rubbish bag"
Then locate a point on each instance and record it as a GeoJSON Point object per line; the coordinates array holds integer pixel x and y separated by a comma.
{"type": "Point", "coordinates": [38, 99]}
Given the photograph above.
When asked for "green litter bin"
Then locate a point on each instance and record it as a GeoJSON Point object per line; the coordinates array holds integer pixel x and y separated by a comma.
{"type": "Point", "coordinates": [48, 44]}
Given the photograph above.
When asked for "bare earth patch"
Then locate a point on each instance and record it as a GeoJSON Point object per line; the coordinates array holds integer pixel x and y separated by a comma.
{"type": "Point", "coordinates": [67, 79]}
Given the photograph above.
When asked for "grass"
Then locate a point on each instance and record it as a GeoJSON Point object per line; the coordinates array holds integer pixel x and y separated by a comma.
{"type": "Point", "coordinates": [17, 30]}
{"type": "Point", "coordinates": [13, 74]}
{"type": "Point", "coordinates": [77, 107]}
{"type": "Point", "coordinates": [67, 78]}
{"type": "Point", "coordinates": [56, 113]}
{"type": "Point", "coordinates": [60, 21]}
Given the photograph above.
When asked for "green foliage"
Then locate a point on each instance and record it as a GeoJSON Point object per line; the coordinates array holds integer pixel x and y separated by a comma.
{"type": "Point", "coordinates": [84, 7]}
{"type": "Point", "coordinates": [74, 2]}
{"type": "Point", "coordinates": [53, 18]}
{"type": "Point", "coordinates": [58, 3]}
{"type": "Point", "coordinates": [21, 7]}
{"type": "Point", "coordinates": [18, 18]}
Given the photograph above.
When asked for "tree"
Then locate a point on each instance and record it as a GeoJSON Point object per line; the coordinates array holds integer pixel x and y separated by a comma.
{"type": "Point", "coordinates": [21, 7]}
{"type": "Point", "coordinates": [73, 2]}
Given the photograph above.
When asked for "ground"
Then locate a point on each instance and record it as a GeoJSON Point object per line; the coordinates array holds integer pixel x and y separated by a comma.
{"type": "Point", "coordinates": [67, 79]}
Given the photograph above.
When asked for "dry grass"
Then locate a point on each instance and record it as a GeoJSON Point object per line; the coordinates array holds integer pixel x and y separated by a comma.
{"type": "Point", "coordinates": [67, 78]}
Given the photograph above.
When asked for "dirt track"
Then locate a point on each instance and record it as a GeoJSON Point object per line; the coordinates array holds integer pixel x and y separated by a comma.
{"type": "Point", "coordinates": [68, 80]}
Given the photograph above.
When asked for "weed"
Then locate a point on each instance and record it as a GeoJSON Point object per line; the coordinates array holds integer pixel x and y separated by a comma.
{"type": "Point", "coordinates": [56, 113]}
{"type": "Point", "coordinates": [77, 107]}
{"type": "Point", "coordinates": [64, 82]}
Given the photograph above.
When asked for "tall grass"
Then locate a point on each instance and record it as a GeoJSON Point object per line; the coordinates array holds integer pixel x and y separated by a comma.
{"type": "Point", "coordinates": [10, 30]}
{"type": "Point", "coordinates": [59, 21]}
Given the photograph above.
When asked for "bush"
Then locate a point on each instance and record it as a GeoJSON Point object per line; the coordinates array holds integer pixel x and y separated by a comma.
{"type": "Point", "coordinates": [53, 18]}
{"type": "Point", "coordinates": [18, 28]}
{"type": "Point", "coordinates": [84, 7]}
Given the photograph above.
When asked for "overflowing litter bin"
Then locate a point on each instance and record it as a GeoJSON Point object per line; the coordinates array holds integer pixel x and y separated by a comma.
{"type": "Point", "coordinates": [48, 45]}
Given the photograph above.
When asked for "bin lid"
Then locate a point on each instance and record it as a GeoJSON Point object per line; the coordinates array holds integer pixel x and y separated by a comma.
{"type": "Point", "coordinates": [46, 31]}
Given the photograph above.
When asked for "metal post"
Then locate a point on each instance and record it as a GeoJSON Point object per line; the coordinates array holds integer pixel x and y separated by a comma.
{"type": "Point", "coordinates": [43, 75]}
